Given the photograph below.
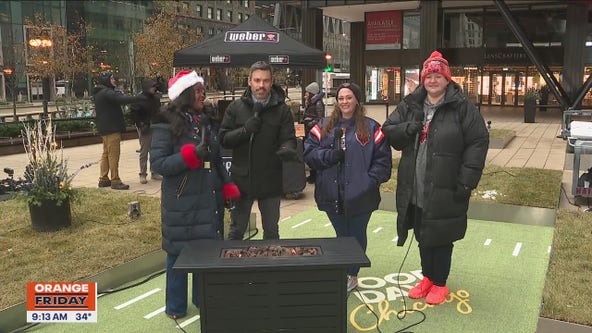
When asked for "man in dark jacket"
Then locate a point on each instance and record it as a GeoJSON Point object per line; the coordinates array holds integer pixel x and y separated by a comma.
{"type": "Point", "coordinates": [142, 114]}
{"type": "Point", "coordinates": [259, 129]}
{"type": "Point", "coordinates": [314, 110]}
{"type": "Point", "coordinates": [110, 125]}
{"type": "Point", "coordinates": [444, 143]}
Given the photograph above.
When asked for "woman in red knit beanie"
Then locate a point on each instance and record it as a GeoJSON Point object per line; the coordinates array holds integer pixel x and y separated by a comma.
{"type": "Point", "coordinates": [444, 142]}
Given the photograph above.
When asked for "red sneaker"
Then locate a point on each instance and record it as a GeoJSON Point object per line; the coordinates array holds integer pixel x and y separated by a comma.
{"type": "Point", "coordinates": [421, 289]}
{"type": "Point", "coordinates": [437, 295]}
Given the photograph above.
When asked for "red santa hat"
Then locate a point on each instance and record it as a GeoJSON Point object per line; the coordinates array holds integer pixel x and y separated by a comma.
{"type": "Point", "coordinates": [182, 81]}
{"type": "Point", "coordinates": [435, 64]}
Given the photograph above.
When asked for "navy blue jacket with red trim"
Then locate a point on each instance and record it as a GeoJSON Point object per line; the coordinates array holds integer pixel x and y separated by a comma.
{"type": "Point", "coordinates": [366, 166]}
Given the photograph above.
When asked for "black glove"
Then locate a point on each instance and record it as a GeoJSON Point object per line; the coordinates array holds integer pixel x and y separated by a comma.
{"type": "Point", "coordinates": [202, 151]}
{"type": "Point", "coordinates": [462, 192]}
{"type": "Point", "coordinates": [413, 127]}
{"type": "Point", "coordinates": [253, 125]}
{"type": "Point", "coordinates": [337, 155]}
{"type": "Point", "coordinates": [287, 154]}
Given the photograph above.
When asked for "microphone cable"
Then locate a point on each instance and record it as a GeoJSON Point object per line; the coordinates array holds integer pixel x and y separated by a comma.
{"type": "Point", "coordinates": [403, 313]}
{"type": "Point", "coordinates": [257, 108]}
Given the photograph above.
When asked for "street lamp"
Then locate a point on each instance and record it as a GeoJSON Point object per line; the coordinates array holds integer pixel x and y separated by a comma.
{"type": "Point", "coordinates": [43, 43]}
{"type": "Point", "coordinates": [328, 62]}
{"type": "Point", "coordinates": [11, 83]}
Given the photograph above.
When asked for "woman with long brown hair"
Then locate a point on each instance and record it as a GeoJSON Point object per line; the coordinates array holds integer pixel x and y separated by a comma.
{"type": "Point", "coordinates": [195, 183]}
{"type": "Point", "coordinates": [351, 158]}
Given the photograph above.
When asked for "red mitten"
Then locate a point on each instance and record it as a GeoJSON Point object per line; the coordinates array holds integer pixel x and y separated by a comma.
{"type": "Point", "coordinates": [191, 160]}
{"type": "Point", "coordinates": [230, 191]}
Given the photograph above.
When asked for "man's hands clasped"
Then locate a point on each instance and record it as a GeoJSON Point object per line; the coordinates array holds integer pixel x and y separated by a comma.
{"type": "Point", "coordinates": [286, 154]}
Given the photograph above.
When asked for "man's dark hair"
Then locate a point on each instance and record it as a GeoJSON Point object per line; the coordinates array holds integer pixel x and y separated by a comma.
{"type": "Point", "coordinates": [262, 66]}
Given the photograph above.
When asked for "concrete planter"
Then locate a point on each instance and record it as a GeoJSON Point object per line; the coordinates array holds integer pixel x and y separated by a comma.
{"type": "Point", "coordinates": [10, 146]}
{"type": "Point", "coordinates": [529, 110]}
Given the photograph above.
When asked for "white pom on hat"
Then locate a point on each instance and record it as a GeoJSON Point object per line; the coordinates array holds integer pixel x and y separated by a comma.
{"type": "Point", "coordinates": [182, 81]}
{"type": "Point", "coordinates": [313, 88]}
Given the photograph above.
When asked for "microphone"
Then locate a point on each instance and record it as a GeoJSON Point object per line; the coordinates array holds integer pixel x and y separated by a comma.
{"type": "Point", "coordinates": [257, 107]}
{"type": "Point", "coordinates": [204, 122]}
{"type": "Point", "coordinates": [337, 140]}
{"type": "Point", "coordinates": [418, 116]}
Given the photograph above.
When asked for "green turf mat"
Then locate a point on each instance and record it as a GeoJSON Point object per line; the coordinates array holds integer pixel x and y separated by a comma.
{"type": "Point", "coordinates": [496, 281]}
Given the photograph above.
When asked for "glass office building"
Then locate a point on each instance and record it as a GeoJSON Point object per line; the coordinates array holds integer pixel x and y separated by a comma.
{"type": "Point", "coordinates": [486, 58]}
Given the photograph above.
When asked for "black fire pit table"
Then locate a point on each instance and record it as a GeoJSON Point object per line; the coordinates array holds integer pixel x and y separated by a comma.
{"type": "Point", "coordinates": [288, 292]}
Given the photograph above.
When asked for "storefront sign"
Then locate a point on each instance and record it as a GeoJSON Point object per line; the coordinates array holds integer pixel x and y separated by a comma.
{"type": "Point", "coordinates": [505, 56]}
{"type": "Point", "coordinates": [383, 30]}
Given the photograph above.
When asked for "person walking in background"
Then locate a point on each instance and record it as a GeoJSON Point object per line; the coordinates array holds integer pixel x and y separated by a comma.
{"type": "Point", "coordinates": [314, 110]}
{"type": "Point", "coordinates": [259, 129]}
{"type": "Point", "coordinates": [195, 184]}
{"type": "Point", "coordinates": [352, 159]}
{"type": "Point", "coordinates": [444, 142]}
{"type": "Point", "coordinates": [142, 114]}
{"type": "Point", "coordinates": [110, 125]}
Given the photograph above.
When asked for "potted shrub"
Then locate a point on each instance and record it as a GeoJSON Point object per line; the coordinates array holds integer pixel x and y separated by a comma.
{"type": "Point", "coordinates": [48, 190]}
{"type": "Point", "coordinates": [544, 92]}
{"type": "Point", "coordinates": [530, 101]}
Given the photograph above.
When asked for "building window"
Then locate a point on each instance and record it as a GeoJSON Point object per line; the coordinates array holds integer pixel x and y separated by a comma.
{"type": "Point", "coordinates": [210, 12]}
{"type": "Point", "coordinates": [240, 17]}
{"type": "Point", "coordinates": [463, 29]}
{"type": "Point", "coordinates": [219, 14]}
{"type": "Point", "coordinates": [199, 29]}
{"type": "Point", "coordinates": [383, 83]}
{"type": "Point", "coordinates": [411, 30]}
{"type": "Point", "coordinates": [246, 3]}
{"type": "Point", "coordinates": [246, 17]}
{"type": "Point", "coordinates": [545, 27]}
{"type": "Point", "coordinates": [496, 33]}
{"type": "Point", "coordinates": [198, 10]}
{"type": "Point", "coordinates": [118, 24]}
{"type": "Point", "coordinates": [229, 15]}
{"type": "Point", "coordinates": [210, 32]}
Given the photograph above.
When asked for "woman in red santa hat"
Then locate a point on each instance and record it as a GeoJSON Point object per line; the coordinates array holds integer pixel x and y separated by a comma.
{"type": "Point", "coordinates": [195, 183]}
{"type": "Point", "coordinates": [444, 143]}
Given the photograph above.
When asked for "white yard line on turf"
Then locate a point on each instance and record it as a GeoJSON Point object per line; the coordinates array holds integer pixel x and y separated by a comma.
{"type": "Point", "coordinates": [132, 301]}
{"type": "Point", "coordinates": [301, 223]}
{"type": "Point", "coordinates": [517, 249]}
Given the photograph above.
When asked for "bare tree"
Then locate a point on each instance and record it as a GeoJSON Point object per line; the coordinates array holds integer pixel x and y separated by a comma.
{"type": "Point", "coordinates": [52, 51]}
{"type": "Point", "coordinates": [162, 35]}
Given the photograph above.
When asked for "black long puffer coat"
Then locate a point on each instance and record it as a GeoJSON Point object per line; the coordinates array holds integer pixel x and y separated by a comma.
{"type": "Point", "coordinates": [256, 169]}
{"type": "Point", "coordinates": [191, 200]}
{"type": "Point", "coordinates": [457, 147]}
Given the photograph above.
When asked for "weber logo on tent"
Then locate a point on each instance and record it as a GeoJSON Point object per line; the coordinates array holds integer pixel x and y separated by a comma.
{"type": "Point", "coordinates": [219, 59]}
{"type": "Point", "coordinates": [251, 37]}
{"type": "Point", "coordinates": [279, 59]}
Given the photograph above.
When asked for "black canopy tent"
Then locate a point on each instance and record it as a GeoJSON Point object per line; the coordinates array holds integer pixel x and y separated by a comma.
{"type": "Point", "coordinates": [251, 41]}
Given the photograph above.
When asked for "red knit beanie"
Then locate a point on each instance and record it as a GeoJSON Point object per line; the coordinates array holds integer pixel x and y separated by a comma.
{"type": "Point", "coordinates": [435, 64]}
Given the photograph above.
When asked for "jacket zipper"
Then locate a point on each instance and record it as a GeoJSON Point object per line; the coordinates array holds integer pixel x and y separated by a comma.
{"type": "Point", "coordinates": [181, 186]}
